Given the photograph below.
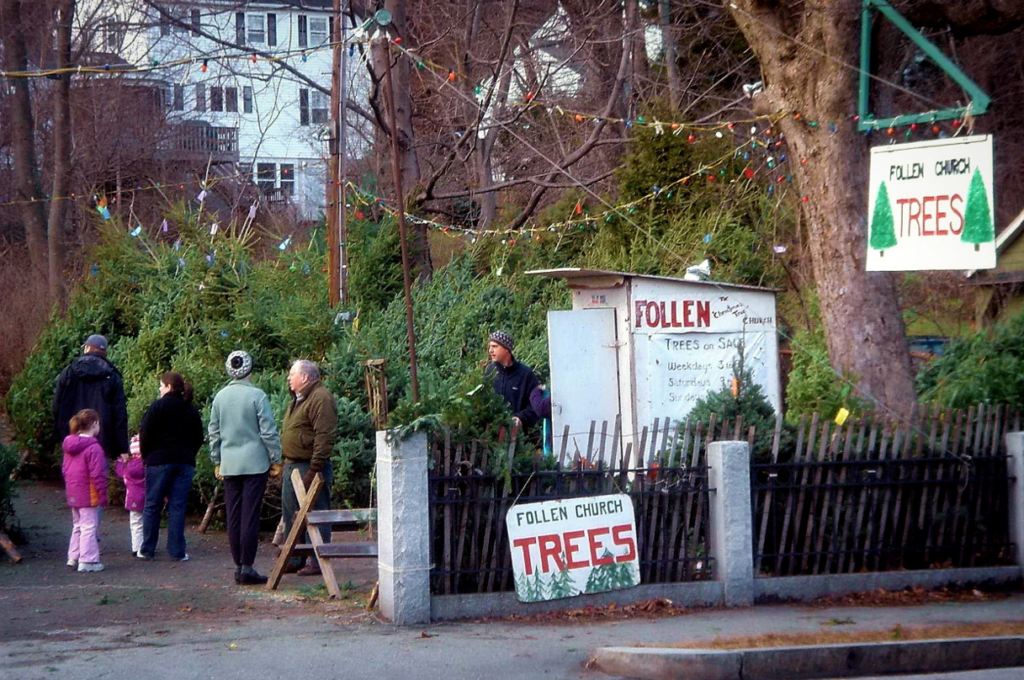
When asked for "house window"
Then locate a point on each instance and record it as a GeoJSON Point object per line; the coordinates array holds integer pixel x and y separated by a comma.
{"type": "Point", "coordinates": [231, 99]}
{"type": "Point", "coordinates": [318, 30]}
{"type": "Point", "coordinates": [216, 98]}
{"type": "Point", "coordinates": [257, 28]}
{"type": "Point", "coordinates": [115, 34]}
{"type": "Point", "coordinates": [303, 32]}
{"type": "Point", "coordinates": [246, 99]}
{"type": "Point", "coordinates": [271, 30]}
{"type": "Point", "coordinates": [266, 176]}
{"type": "Point", "coordinates": [196, 22]}
{"type": "Point", "coordinates": [287, 179]}
{"type": "Point", "coordinates": [303, 107]}
{"type": "Point", "coordinates": [200, 97]}
{"type": "Point", "coordinates": [178, 98]}
{"type": "Point", "coordinates": [240, 29]}
{"type": "Point", "coordinates": [320, 107]}
{"type": "Point", "coordinates": [181, 21]}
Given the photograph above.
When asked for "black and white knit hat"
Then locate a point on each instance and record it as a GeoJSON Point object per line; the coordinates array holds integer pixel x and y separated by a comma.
{"type": "Point", "coordinates": [504, 339]}
{"type": "Point", "coordinates": [239, 364]}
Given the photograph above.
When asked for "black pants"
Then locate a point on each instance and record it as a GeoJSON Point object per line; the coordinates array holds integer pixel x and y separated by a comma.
{"type": "Point", "coordinates": [243, 496]}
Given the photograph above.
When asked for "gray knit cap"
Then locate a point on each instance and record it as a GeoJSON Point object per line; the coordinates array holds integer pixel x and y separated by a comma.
{"type": "Point", "coordinates": [239, 364]}
{"type": "Point", "coordinates": [502, 338]}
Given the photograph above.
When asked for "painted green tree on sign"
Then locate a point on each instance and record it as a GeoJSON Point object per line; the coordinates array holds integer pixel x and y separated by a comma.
{"type": "Point", "coordinates": [883, 233]}
{"type": "Point", "coordinates": [978, 227]}
{"type": "Point", "coordinates": [561, 585]}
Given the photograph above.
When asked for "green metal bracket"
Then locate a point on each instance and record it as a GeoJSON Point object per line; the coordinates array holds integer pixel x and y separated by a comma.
{"type": "Point", "coordinates": [866, 120]}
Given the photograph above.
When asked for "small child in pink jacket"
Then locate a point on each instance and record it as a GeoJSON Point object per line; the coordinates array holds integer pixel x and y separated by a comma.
{"type": "Point", "coordinates": [132, 470]}
{"type": "Point", "coordinates": [85, 480]}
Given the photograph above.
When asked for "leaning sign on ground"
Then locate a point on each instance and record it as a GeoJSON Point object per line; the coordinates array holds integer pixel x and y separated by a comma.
{"type": "Point", "coordinates": [573, 547]}
{"type": "Point", "coordinates": [931, 206]}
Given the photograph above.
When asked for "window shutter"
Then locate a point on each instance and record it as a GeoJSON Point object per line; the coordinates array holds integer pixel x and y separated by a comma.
{"type": "Point", "coordinates": [303, 32]}
{"type": "Point", "coordinates": [271, 30]}
{"type": "Point", "coordinates": [200, 97]}
{"type": "Point", "coordinates": [194, 16]}
{"type": "Point", "coordinates": [240, 29]}
{"type": "Point", "coordinates": [303, 107]}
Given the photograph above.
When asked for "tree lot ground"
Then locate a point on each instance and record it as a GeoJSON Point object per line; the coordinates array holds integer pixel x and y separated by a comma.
{"type": "Point", "coordinates": [42, 596]}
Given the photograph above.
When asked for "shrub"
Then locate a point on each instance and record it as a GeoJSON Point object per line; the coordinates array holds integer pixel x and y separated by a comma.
{"type": "Point", "coordinates": [8, 463]}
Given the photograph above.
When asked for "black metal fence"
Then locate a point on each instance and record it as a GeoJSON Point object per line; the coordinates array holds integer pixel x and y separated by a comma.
{"type": "Point", "coordinates": [470, 496]}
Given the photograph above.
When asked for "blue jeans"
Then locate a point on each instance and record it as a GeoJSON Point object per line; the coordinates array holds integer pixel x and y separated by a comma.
{"type": "Point", "coordinates": [172, 482]}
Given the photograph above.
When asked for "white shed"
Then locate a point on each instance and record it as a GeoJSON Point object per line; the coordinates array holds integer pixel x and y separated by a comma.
{"type": "Point", "coordinates": [649, 347]}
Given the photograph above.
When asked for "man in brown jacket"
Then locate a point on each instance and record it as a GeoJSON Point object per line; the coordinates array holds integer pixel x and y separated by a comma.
{"type": "Point", "coordinates": [307, 442]}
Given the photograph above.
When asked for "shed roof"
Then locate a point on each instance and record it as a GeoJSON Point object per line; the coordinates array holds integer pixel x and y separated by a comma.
{"type": "Point", "coordinates": [579, 274]}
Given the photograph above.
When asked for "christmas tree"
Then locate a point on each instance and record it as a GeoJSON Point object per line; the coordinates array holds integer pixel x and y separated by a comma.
{"type": "Point", "coordinates": [883, 235]}
{"type": "Point", "coordinates": [561, 585]}
{"type": "Point", "coordinates": [978, 226]}
{"type": "Point", "coordinates": [602, 577]}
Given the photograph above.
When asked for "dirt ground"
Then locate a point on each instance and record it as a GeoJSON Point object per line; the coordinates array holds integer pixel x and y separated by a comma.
{"type": "Point", "coordinates": [41, 596]}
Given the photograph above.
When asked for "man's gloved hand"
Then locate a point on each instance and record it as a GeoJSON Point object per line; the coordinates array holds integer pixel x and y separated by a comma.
{"type": "Point", "coordinates": [307, 479]}
{"type": "Point", "coordinates": [216, 472]}
{"type": "Point", "coordinates": [275, 469]}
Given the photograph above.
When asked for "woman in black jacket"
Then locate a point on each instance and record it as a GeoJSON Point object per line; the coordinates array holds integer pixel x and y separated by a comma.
{"type": "Point", "coordinates": [170, 436]}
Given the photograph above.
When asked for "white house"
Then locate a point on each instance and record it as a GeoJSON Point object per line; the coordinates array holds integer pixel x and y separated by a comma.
{"type": "Point", "coordinates": [244, 81]}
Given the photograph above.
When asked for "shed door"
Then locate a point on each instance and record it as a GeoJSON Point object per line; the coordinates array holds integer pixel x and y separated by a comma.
{"type": "Point", "coordinates": [584, 374]}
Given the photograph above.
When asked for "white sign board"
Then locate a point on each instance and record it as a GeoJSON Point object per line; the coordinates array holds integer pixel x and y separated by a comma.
{"type": "Point", "coordinates": [932, 205]}
{"type": "Point", "coordinates": [573, 547]}
{"type": "Point", "coordinates": [687, 339]}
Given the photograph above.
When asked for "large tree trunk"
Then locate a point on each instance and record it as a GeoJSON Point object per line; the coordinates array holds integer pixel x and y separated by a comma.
{"type": "Point", "coordinates": [26, 172]}
{"type": "Point", "coordinates": [61, 152]}
{"type": "Point", "coordinates": [404, 134]}
{"type": "Point", "coordinates": [860, 310]}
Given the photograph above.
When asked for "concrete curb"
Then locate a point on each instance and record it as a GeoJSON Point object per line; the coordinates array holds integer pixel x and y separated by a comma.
{"type": "Point", "coordinates": [808, 663]}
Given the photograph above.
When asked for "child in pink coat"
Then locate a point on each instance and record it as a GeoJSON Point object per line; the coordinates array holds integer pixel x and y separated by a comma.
{"type": "Point", "coordinates": [133, 471]}
{"type": "Point", "coordinates": [85, 481]}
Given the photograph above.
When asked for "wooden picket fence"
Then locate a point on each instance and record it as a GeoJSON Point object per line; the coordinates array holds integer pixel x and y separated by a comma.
{"type": "Point", "coordinates": [873, 496]}
{"type": "Point", "coordinates": [472, 490]}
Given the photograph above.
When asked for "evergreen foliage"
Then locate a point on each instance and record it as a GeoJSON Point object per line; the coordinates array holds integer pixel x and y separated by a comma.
{"type": "Point", "coordinates": [561, 585]}
{"type": "Point", "coordinates": [8, 464]}
{"type": "Point", "coordinates": [986, 367]}
{"type": "Point", "coordinates": [814, 386]}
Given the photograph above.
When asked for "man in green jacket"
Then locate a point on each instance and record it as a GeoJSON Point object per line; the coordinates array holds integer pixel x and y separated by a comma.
{"type": "Point", "coordinates": [307, 441]}
{"type": "Point", "coordinates": [245, 450]}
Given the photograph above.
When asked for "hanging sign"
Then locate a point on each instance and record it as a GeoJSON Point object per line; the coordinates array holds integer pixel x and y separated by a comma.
{"type": "Point", "coordinates": [931, 206]}
{"type": "Point", "coordinates": [573, 547]}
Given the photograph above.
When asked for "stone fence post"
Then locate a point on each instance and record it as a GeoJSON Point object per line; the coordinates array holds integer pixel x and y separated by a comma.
{"type": "Point", "coordinates": [403, 563]}
{"type": "Point", "coordinates": [1015, 496]}
{"type": "Point", "coordinates": [731, 521]}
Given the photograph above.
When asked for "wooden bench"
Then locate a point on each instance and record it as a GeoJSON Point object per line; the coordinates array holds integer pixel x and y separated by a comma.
{"type": "Point", "coordinates": [306, 518]}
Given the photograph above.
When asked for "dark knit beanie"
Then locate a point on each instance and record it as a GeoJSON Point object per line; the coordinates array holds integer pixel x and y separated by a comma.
{"type": "Point", "coordinates": [502, 338]}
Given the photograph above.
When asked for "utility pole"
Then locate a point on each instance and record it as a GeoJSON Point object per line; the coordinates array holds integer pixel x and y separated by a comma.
{"type": "Point", "coordinates": [335, 202]}
{"type": "Point", "coordinates": [384, 18]}
{"type": "Point", "coordinates": [343, 160]}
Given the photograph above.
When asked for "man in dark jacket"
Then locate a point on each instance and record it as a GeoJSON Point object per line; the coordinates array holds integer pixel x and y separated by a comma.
{"type": "Point", "coordinates": [513, 380]}
{"type": "Point", "coordinates": [91, 381]}
{"type": "Point", "coordinates": [307, 443]}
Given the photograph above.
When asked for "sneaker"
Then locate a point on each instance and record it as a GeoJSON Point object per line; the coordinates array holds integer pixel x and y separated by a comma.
{"type": "Point", "coordinates": [185, 558]}
{"type": "Point", "coordinates": [89, 566]}
{"type": "Point", "coordinates": [311, 569]}
{"type": "Point", "coordinates": [73, 564]}
{"type": "Point", "coordinates": [143, 556]}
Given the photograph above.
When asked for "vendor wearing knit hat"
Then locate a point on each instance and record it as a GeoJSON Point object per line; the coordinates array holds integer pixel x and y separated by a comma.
{"type": "Point", "coordinates": [513, 380]}
{"type": "Point", "coordinates": [245, 449]}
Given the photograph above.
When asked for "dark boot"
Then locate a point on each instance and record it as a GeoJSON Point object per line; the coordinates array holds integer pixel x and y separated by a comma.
{"type": "Point", "coordinates": [238, 573]}
{"type": "Point", "coordinates": [250, 577]}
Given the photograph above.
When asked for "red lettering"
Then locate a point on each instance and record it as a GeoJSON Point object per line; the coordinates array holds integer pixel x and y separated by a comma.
{"type": "Point", "coordinates": [525, 544]}
{"type": "Point", "coordinates": [940, 215]}
{"type": "Point", "coordinates": [638, 315]}
{"type": "Point", "coordinates": [703, 314]}
{"type": "Point", "coordinates": [675, 319]}
{"type": "Point", "coordinates": [688, 313]}
{"type": "Point", "coordinates": [618, 539]}
{"type": "Point", "coordinates": [550, 547]}
{"type": "Point", "coordinates": [960, 216]}
{"type": "Point", "coordinates": [904, 219]}
{"type": "Point", "coordinates": [664, 316]}
{"type": "Point", "coordinates": [925, 215]}
{"type": "Point", "coordinates": [915, 215]}
{"type": "Point", "coordinates": [596, 545]}
{"type": "Point", "coordinates": [653, 320]}
{"type": "Point", "coordinates": [571, 549]}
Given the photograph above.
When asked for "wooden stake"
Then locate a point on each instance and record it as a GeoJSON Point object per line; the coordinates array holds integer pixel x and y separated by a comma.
{"type": "Point", "coordinates": [8, 545]}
